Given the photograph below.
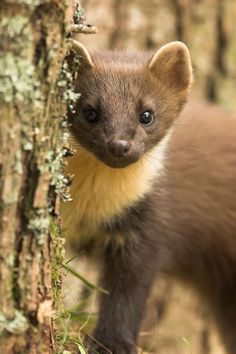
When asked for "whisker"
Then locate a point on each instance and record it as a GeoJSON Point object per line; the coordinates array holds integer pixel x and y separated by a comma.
{"type": "Point", "coordinates": [155, 160]}
{"type": "Point", "coordinates": [84, 132]}
{"type": "Point", "coordinates": [154, 163]}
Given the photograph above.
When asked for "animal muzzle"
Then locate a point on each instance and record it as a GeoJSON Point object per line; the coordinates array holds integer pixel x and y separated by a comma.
{"type": "Point", "coordinates": [119, 148]}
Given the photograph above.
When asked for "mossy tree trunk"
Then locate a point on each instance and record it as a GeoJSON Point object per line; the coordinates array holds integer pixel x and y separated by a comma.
{"type": "Point", "coordinates": [31, 113]}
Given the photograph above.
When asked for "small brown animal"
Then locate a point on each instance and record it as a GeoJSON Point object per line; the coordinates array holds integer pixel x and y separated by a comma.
{"type": "Point", "coordinates": [154, 190]}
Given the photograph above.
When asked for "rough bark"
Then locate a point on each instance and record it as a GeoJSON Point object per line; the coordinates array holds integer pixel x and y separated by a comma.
{"type": "Point", "coordinates": [31, 107]}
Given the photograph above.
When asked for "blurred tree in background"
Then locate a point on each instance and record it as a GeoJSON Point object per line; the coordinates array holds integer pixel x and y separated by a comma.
{"type": "Point", "coordinates": [206, 26]}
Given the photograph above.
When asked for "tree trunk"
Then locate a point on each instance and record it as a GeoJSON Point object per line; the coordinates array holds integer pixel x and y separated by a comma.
{"type": "Point", "coordinates": [31, 107]}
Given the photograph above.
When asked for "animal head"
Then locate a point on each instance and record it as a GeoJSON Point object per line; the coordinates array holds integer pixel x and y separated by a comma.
{"type": "Point", "coordinates": [128, 101]}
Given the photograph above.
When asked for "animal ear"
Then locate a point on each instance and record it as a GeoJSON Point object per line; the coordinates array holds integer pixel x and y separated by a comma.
{"type": "Point", "coordinates": [82, 52]}
{"type": "Point", "coordinates": [171, 64]}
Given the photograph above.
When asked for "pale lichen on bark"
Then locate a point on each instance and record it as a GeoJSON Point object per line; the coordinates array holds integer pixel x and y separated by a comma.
{"type": "Point", "coordinates": [33, 48]}
{"type": "Point", "coordinates": [34, 98]}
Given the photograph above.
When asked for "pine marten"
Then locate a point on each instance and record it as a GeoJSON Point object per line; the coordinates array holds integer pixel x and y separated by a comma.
{"type": "Point", "coordinates": [154, 189]}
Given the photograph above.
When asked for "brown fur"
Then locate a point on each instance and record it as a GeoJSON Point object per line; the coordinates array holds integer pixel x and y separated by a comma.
{"type": "Point", "coordinates": [168, 205]}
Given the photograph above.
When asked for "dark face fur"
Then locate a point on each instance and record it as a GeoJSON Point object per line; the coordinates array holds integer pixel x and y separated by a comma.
{"type": "Point", "coordinates": [127, 105]}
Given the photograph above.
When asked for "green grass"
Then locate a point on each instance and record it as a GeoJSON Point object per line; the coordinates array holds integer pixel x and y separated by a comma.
{"type": "Point", "coordinates": [72, 324]}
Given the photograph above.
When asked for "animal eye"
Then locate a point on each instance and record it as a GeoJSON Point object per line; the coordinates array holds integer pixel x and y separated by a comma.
{"type": "Point", "coordinates": [92, 116]}
{"type": "Point", "coordinates": [146, 118]}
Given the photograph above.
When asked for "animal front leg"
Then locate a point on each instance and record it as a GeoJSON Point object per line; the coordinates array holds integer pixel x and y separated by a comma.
{"type": "Point", "coordinates": [127, 275]}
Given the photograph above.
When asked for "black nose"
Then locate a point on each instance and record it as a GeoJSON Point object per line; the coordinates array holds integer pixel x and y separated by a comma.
{"type": "Point", "coordinates": [119, 148]}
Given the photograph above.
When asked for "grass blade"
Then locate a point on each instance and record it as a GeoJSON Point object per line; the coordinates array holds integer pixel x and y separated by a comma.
{"type": "Point", "coordinates": [85, 281]}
